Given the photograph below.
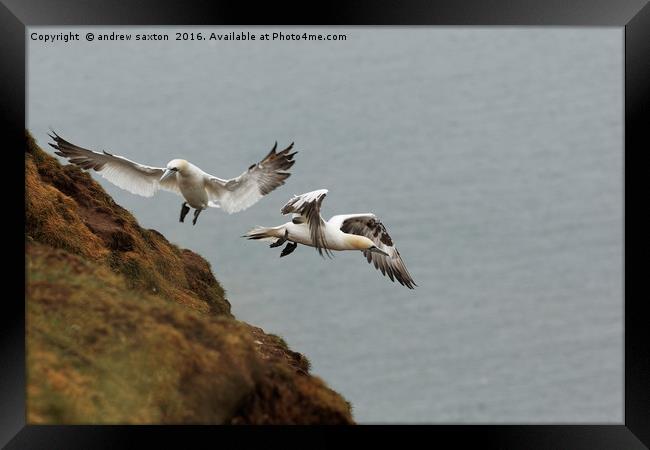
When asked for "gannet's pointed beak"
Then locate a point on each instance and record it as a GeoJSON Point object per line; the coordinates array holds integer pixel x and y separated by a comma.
{"type": "Point", "coordinates": [168, 173]}
{"type": "Point", "coordinates": [378, 250]}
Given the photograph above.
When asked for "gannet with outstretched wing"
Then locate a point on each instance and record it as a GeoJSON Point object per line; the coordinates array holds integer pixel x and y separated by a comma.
{"type": "Point", "coordinates": [342, 232]}
{"type": "Point", "coordinates": [199, 189]}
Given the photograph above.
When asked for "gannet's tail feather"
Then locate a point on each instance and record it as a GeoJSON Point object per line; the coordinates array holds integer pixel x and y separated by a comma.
{"type": "Point", "coordinates": [265, 233]}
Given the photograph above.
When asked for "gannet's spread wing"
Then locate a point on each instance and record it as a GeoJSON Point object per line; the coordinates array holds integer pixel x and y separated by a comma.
{"type": "Point", "coordinates": [126, 174]}
{"type": "Point", "coordinates": [308, 206]}
{"type": "Point", "coordinates": [239, 193]}
{"type": "Point", "coordinates": [369, 226]}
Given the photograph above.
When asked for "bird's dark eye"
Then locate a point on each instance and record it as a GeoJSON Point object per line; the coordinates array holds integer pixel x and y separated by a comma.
{"type": "Point", "coordinates": [175, 169]}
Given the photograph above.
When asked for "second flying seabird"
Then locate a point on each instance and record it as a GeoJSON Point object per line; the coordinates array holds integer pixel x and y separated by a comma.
{"type": "Point", "coordinates": [342, 232]}
{"type": "Point", "coordinates": [199, 189]}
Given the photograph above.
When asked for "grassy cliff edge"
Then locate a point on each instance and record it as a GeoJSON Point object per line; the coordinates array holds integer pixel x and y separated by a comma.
{"type": "Point", "coordinates": [124, 327]}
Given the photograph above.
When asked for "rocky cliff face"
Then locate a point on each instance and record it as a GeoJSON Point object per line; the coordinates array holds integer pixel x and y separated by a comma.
{"type": "Point", "coordinates": [125, 327]}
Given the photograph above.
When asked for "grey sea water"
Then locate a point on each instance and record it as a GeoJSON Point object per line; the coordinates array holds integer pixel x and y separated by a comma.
{"type": "Point", "coordinates": [494, 157]}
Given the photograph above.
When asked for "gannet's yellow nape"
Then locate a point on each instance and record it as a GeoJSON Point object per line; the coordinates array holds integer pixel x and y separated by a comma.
{"type": "Point", "coordinates": [359, 242]}
{"type": "Point", "coordinates": [178, 164]}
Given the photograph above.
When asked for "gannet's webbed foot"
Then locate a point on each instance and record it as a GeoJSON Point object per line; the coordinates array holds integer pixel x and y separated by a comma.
{"type": "Point", "coordinates": [291, 246]}
{"type": "Point", "coordinates": [281, 240]}
{"type": "Point", "coordinates": [196, 215]}
{"type": "Point", "coordinates": [184, 210]}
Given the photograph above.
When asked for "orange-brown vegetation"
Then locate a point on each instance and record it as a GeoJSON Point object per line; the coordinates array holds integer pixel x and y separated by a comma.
{"type": "Point", "coordinates": [125, 327]}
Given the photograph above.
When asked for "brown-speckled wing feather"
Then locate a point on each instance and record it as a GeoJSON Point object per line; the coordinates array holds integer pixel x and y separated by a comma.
{"type": "Point", "coordinates": [393, 266]}
{"type": "Point", "coordinates": [239, 193]}
{"type": "Point", "coordinates": [124, 173]}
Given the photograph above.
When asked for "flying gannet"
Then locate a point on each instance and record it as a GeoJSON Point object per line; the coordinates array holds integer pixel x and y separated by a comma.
{"type": "Point", "coordinates": [342, 232]}
{"type": "Point", "coordinates": [199, 189]}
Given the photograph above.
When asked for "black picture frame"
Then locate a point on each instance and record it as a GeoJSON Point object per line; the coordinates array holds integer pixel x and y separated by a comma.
{"type": "Point", "coordinates": [633, 15]}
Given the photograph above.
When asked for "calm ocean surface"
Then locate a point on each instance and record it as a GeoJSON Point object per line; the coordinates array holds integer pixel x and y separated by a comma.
{"type": "Point", "coordinates": [492, 155]}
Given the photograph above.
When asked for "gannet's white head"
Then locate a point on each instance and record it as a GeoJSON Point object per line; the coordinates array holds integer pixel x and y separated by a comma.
{"type": "Point", "coordinates": [173, 167]}
{"type": "Point", "coordinates": [363, 243]}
